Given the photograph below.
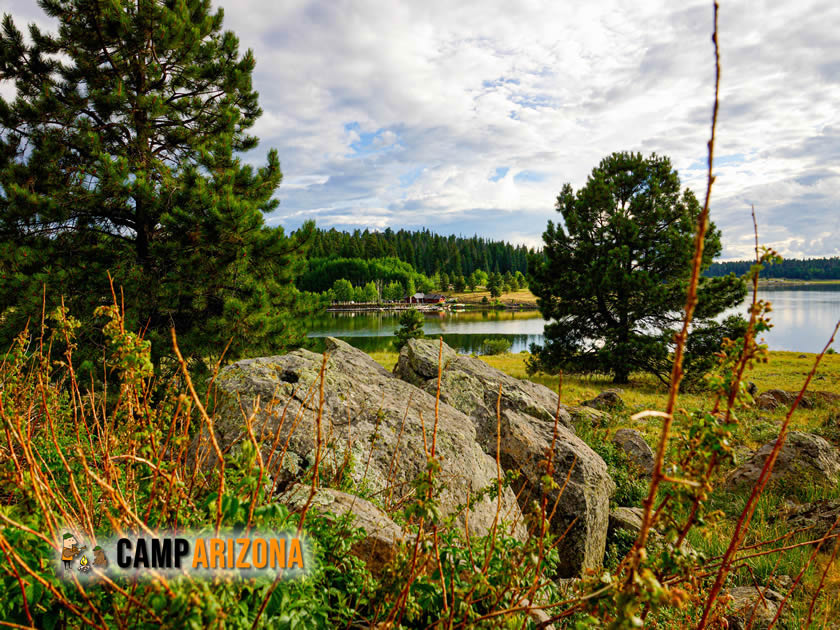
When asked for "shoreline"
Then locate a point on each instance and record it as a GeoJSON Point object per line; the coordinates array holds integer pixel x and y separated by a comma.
{"type": "Point", "coordinates": [428, 308]}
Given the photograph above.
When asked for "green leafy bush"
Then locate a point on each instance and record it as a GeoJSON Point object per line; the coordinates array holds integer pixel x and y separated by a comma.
{"type": "Point", "coordinates": [495, 345]}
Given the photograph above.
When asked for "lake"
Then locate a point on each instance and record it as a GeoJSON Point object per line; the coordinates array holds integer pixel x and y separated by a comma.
{"type": "Point", "coordinates": [803, 319]}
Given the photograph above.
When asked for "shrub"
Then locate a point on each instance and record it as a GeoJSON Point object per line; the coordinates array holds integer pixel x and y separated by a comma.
{"type": "Point", "coordinates": [411, 327]}
{"type": "Point", "coordinates": [495, 345]}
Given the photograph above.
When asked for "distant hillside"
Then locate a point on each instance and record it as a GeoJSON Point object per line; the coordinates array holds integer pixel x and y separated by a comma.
{"type": "Point", "coordinates": [427, 252]}
{"type": "Point", "coordinates": [791, 269]}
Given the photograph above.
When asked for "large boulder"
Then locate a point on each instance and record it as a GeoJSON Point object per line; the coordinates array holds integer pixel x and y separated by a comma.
{"type": "Point", "coordinates": [580, 495]}
{"type": "Point", "coordinates": [626, 519]}
{"type": "Point", "coordinates": [373, 426]}
{"type": "Point", "coordinates": [382, 537]}
{"type": "Point", "coordinates": [803, 459]}
{"type": "Point", "coordinates": [526, 421]}
{"type": "Point", "coordinates": [472, 387]}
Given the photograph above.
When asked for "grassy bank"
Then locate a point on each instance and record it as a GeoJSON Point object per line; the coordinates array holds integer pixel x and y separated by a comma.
{"type": "Point", "coordinates": [792, 282]}
{"type": "Point", "coordinates": [523, 298]}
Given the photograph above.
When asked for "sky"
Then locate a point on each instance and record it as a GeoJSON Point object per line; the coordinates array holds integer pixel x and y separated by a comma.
{"type": "Point", "coordinates": [468, 118]}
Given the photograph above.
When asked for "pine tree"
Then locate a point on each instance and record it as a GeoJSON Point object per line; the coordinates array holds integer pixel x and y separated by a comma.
{"type": "Point", "coordinates": [411, 327]}
{"type": "Point", "coordinates": [444, 282]}
{"type": "Point", "coordinates": [613, 276]}
{"type": "Point", "coordinates": [119, 154]}
{"type": "Point", "coordinates": [459, 284]}
{"type": "Point", "coordinates": [494, 284]}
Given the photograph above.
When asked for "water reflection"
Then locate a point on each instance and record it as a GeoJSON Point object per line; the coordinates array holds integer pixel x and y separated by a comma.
{"type": "Point", "coordinates": [803, 319]}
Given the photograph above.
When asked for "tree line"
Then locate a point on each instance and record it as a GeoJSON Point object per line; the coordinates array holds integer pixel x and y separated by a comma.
{"type": "Point", "coordinates": [391, 279]}
{"type": "Point", "coordinates": [427, 252]}
{"type": "Point", "coordinates": [791, 269]}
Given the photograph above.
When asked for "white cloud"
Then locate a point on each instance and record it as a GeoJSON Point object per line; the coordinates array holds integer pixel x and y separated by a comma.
{"type": "Point", "coordinates": [400, 113]}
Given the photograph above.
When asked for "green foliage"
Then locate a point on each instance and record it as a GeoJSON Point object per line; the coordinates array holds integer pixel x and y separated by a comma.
{"type": "Point", "coordinates": [705, 341]}
{"type": "Point", "coordinates": [426, 285]}
{"type": "Point", "coordinates": [472, 281]}
{"type": "Point", "coordinates": [790, 269]}
{"type": "Point", "coordinates": [495, 345]}
{"type": "Point", "coordinates": [126, 161]}
{"type": "Point", "coordinates": [459, 284]}
{"type": "Point", "coordinates": [370, 293]}
{"type": "Point", "coordinates": [343, 290]}
{"type": "Point", "coordinates": [393, 291]}
{"type": "Point", "coordinates": [494, 285]}
{"type": "Point", "coordinates": [155, 488]}
{"type": "Point", "coordinates": [618, 545]}
{"type": "Point", "coordinates": [630, 486]}
{"type": "Point", "coordinates": [411, 327]}
{"type": "Point", "coordinates": [443, 281]}
{"type": "Point", "coordinates": [614, 274]}
{"type": "Point", "coordinates": [323, 272]}
{"type": "Point", "coordinates": [426, 252]}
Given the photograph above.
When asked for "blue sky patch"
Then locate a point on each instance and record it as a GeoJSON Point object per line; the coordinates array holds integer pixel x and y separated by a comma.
{"type": "Point", "coordinates": [501, 171]}
{"type": "Point", "coordinates": [407, 179]}
{"type": "Point", "coordinates": [367, 143]}
{"type": "Point", "coordinates": [723, 160]}
{"type": "Point", "coordinates": [528, 176]}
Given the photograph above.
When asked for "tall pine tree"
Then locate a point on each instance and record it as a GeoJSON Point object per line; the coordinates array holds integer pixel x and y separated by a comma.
{"type": "Point", "coordinates": [614, 274]}
{"type": "Point", "coordinates": [118, 154]}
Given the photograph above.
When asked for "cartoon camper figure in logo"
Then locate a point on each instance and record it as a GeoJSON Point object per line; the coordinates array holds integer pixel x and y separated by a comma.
{"type": "Point", "coordinates": [100, 561]}
{"type": "Point", "coordinates": [70, 550]}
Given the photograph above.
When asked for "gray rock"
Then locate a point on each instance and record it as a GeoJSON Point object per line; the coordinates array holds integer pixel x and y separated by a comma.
{"type": "Point", "coordinates": [820, 516]}
{"type": "Point", "coordinates": [527, 413]}
{"type": "Point", "coordinates": [537, 615]}
{"type": "Point", "coordinates": [625, 519]}
{"type": "Point", "coordinates": [749, 602]}
{"type": "Point", "coordinates": [803, 459]}
{"type": "Point", "coordinates": [472, 387]}
{"type": "Point", "coordinates": [608, 399]}
{"type": "Point", "coordinates": [582, 504]}
{"type": "Point", "coordinates": [370, 418]}
{"type": "Point", "coordinates": [778, 398]}
{"type": "Point", "coordinates": [629, 519]}
{"type": "Point", "coordinates": [590, 415]}
{"type": "Point", "coordinates": [782, 583]}
{"type": "Point", "coordinates": [383, 538]}
{"type": "Point", "coordinates": [638, 452]}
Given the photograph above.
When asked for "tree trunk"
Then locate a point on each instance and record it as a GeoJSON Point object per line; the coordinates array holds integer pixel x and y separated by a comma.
{"type": "Point", "coordinates": [622, 375]}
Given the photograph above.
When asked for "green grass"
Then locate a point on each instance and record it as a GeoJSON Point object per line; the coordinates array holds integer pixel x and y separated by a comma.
{"type": "Point", "coordinates": [524, 296]}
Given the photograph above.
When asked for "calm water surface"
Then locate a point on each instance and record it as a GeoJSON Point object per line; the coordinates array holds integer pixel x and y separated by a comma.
{"type": "Point", "coordinates": [803, 319]}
